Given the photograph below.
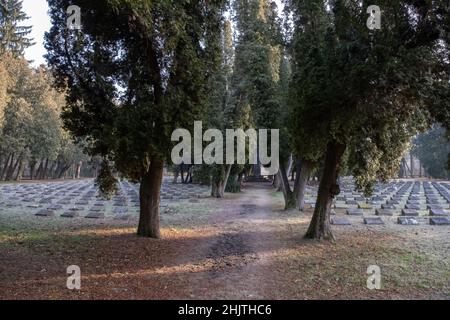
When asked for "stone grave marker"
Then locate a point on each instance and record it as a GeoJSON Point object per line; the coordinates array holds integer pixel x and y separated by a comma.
{"type": "Point", "coordinates": [373, 221]}
{"type": "Point", "coordinates": [340, 221]}
{"type": "Point", "coordinates": [439, 221]}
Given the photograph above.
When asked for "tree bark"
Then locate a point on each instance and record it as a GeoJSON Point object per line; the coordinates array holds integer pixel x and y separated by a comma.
{"type": "Point", "coordinates": [277, 182]}
{"type": "Point", "coordinates": [12, 168]}
{"type": "Point", "coordinates": [44, 170]}
{"type": "Point", "coordinates": [289, 200]}
{"type": "Point", "coordinates": [19, 173]}
{"type": "Point", "coordinates": [78, 170]}
{"type": "Point", "coordinates": [32, 165]}
{"type": "Point", "coordinates": [320, 227]}
{"type": "Point", "coordinates": [218, 186]}
{"type": "Point", "coordinates": [149, 200]}
{"type": "Point", "coordinates": [38, 172]}
{"type": "Point", "coordinates": [304, 169]}
{"type": "Point", "coordinates": [5, 168]}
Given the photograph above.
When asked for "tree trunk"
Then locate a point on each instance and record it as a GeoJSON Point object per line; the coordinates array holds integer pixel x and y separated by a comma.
{"type": "Point", "coordinates": [49, 174]}
{"type": "Point", "coordinates": [12, 168]}
{"type": "Point", "coordinates": [304, 169]}
{"type": "Point", "coordinates": [289, 200]}
{"type": "Point", "coordinates": [5, 168]}
{"type": "Point", "coordinates": [38, 172]}
{"type": "Point", "coordinates": [149, 200]}
{"type": "Point", "coordinates": [44, 170]}
{"type": "Point", "coordinates": [63, 171]}
{"type": "Point", "coordinates": [320, 227]}
{"type": "Point", "coordinates": [19, 173]}
{"type": "Point", "coordinates": [78, 171]}
{"type": "Point", "coordinates": [218, 185]}
{"type": "Point", "coordinates": [32, 165]}
{"type": "Point", "coordinates": [277, 182]}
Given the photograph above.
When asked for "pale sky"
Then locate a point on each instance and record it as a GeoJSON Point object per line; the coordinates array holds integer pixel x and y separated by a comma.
{"type": "Point", "coordinates": [39, 19]}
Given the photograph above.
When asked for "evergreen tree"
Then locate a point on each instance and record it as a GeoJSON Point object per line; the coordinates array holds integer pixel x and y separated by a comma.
{"type": "Point", "coordinates": [162, 53]}
{"type": "Point", "coordinates": [364, 92]}
{"type": "Point", "coordinates": [256, 76]}
{"type": "Point", "coordinates": [432, 149]}
{"type": "Point", "coordinates": [218, 105]}
{"type": "Point", "coordinates": [13, 35]}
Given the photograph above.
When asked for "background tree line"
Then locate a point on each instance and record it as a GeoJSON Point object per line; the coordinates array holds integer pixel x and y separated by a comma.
{"type": "Point", "coordinates": [344, 96]}
{"type": "Point", "coordinates": [33, 143]}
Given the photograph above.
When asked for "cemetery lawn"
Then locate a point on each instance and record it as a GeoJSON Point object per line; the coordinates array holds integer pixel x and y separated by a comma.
{"type": "Point", "coordinates": [241, 247]}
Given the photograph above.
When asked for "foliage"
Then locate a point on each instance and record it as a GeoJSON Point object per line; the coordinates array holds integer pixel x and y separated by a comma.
{"type": "Point", "coordinates": [159, 52]}
{"type": "Point", "coordinates": [432, 149]}
{"type": "Point", "coordinates": [371, 91]}
{"type": "Point", "coordinates": [13, 35]}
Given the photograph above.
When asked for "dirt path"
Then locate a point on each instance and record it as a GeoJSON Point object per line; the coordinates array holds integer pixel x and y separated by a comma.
{"type": "Point", "coordinates": [237, 245]}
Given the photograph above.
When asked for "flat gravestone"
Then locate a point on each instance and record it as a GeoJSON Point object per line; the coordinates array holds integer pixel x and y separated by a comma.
{"type": "Point", "coordinates": [355, 212]}
{"type": "Point", "coordinates": [439, 221]}
{"type": "Point", "coordinates": [70, 214]}
{"type": "Point", "coordinates": [55, 207]}
{"type": "Point", "coordinates": [339, 221]}
{"type": "Point", "coordinates": [434, 206]}
{"type": "Point", "coordinates": [388, 206]}
{"type": "Point", "coordinates": [404, 221]}
{"type": "Point", "coordinates": [123, 217]}
{"type": "Point", "coordinates": [437, 212]}
{"type": "Point", "coordinates": [412, 207]}
{"type": "Point", "coordinates": [373, 221]}
{"type": "Point", "coordinates": [365, 206]}
{"type": "Point", "coordinates": [76, 209]}
{"type": "Point", "coordinates": [384, 212]}
{"type": "Point", "coordinates": [95, 215]}
{"type": "Point", "coordinates": [410, 213]}
{"type": "Point", "coordinates": [45, 213]}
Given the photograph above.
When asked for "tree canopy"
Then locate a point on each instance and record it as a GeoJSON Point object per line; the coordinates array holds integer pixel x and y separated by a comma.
{"type": "Point", "coordinates": [365, 92]}
{"type": "Point", "coordinates": [160, 54]}
{"type": "Point", "coordinates": [13, 34]}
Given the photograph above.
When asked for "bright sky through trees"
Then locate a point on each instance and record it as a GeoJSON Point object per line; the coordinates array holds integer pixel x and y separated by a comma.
{"type": "Point", "coordinates": [39, 19]}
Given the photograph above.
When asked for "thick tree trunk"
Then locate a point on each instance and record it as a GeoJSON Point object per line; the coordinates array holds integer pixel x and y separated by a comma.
{"type": "Point", "coordinates": [149, 200]}
{"type": "Point", "coordinates": [320, 227]}
{"type": "Point", "coordinates": [304, 169]}
{"type": "Point", "coordinates": [218, 186]}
